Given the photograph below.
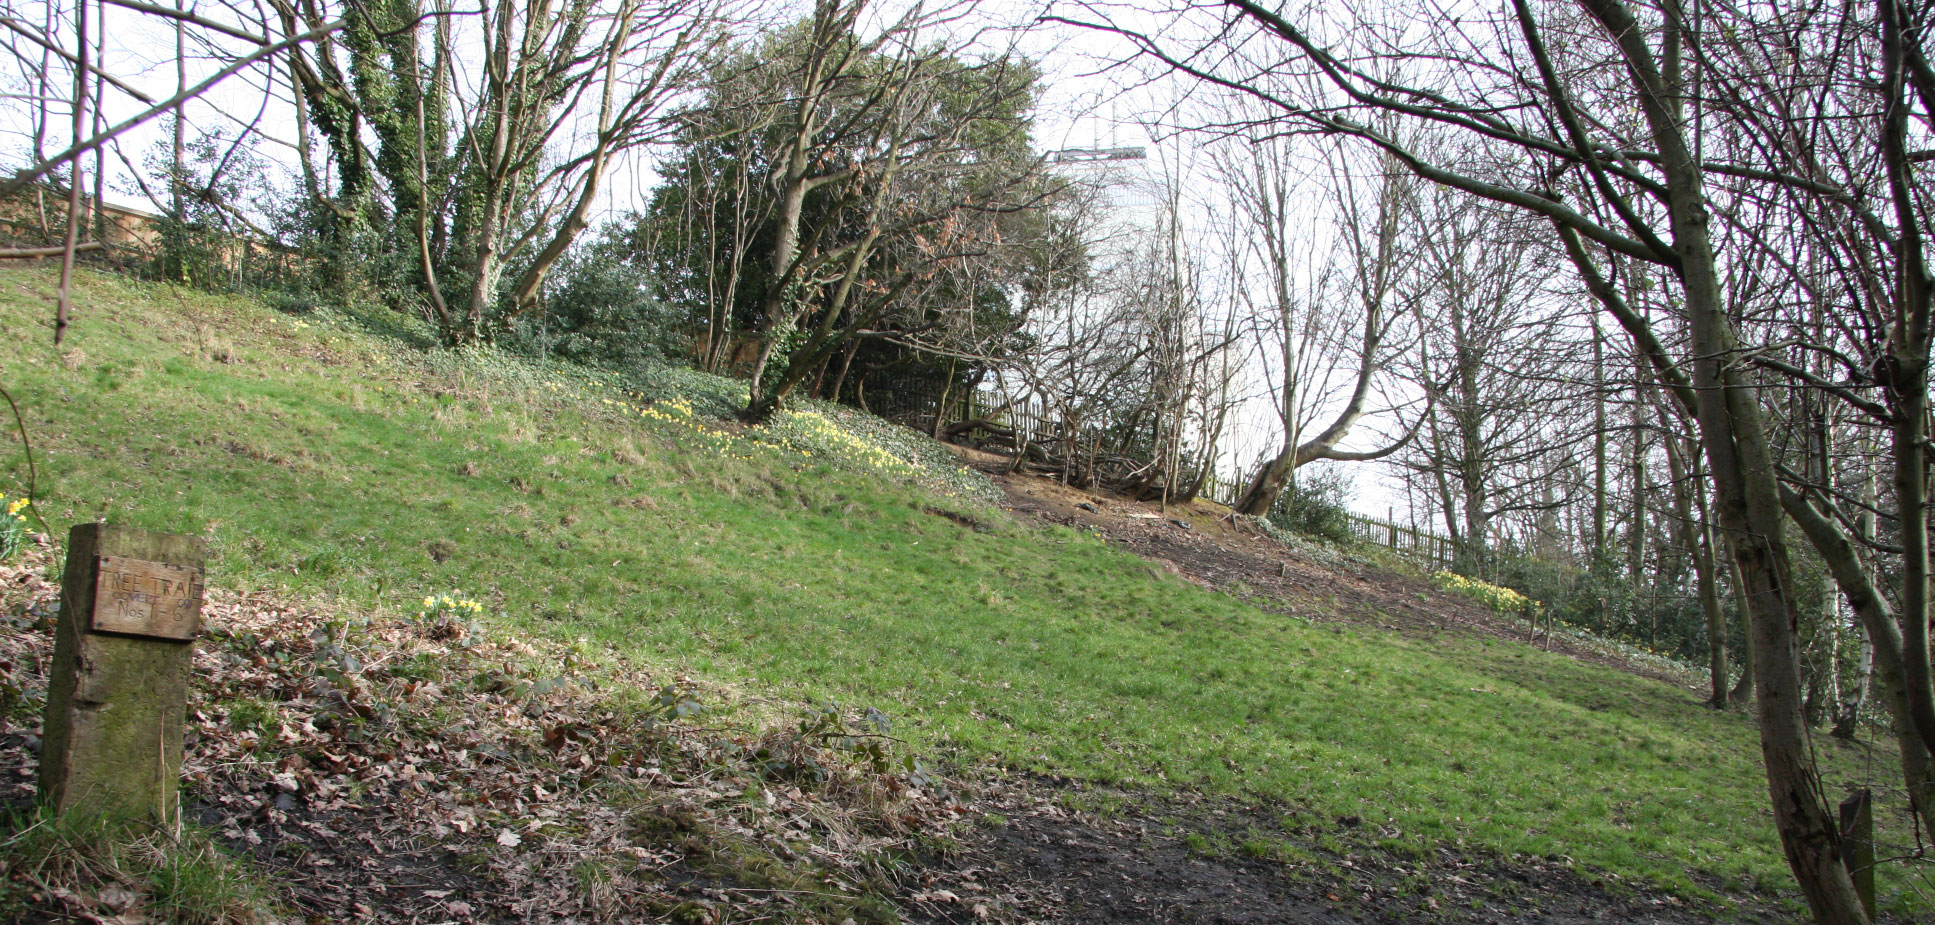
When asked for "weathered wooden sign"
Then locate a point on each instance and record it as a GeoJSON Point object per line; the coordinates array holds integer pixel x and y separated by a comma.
{"type": "Point", "coordinates": [117, 689]}
{"type": "Point", "coordinates": [135, 597]}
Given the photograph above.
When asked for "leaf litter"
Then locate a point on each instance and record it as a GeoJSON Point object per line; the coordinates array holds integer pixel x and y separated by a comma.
{"type": "Point", "coordinates": [384, 769]}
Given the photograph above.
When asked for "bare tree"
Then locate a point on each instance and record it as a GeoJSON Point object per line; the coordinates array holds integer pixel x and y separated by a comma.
{"type": "Point", "coordinates": [485, 164]}
{"type": "Point", "coordinates": [241, 43]}
{"type": "Point", "coordinates": [1495, 361]}
{"type": "Point", "coordinates": [1374, 261]}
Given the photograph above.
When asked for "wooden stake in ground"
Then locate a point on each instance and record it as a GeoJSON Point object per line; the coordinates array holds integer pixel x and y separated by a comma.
{"type": "Point", "coordinates": [123, 648]}
{"type": "Point", "coordinates": [1858, 834]}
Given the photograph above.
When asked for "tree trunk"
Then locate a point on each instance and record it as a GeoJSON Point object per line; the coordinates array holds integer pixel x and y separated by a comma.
{"type": "Point", "coordinates": [776, 319]}
{"type": "Point", "coordinates": [1908, 383]}
{"type": "Point", "coordinates": [1716, 617]}
{"type": "Point", "coordinates": [1598, 446]}
{"type": "Point", "coordinates": [1883, 637]}
{"type": "Point", "coordinates": [1848, 722]}
{"type": "Point", "coordinates": [1747, 501]}
{"type": "Point", "coordinates": [940, 406]}
{"type": "Point", "coordinates": [1743, 689]}
{"type": "Point", "coordinates": [524, 294]}
{"type": "Point", "coordinates": [1747, 497]}
{"type": "Point", "coordinates": [1696, 535]}
{"type": "Point", "coordinates": [1266, 486]}
{"type": "Point", "coordinates": [846, 363]}
{"type": "Point", "coordinates": [494, 175]}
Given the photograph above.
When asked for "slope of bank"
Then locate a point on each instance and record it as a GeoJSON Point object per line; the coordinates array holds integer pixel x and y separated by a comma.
{"type": "Point", "coordinates": [834, 560]}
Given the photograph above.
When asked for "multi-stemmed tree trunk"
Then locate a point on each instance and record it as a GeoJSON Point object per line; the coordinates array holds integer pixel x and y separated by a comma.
{"type": "Point", "coordinates": [470, 192]}
{"type": "Point", "coordinates": [829, 109]}
{"type": "Point", "coordinates": [1740, 462]}
{"type": "Point", "coordinates": [1862, 211]}
{"type": "Point", "coordinates": [894, 156]}
{"type": "Point", "coordinates": [1377, 261]}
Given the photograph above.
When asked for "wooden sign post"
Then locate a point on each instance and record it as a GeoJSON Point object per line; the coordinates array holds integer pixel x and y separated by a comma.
{"type": "Point", "coordinates": [1858, 845]}
{"type": "Point", "coordinates": [131, 605]}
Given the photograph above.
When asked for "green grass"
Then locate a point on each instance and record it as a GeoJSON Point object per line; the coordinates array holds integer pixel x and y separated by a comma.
{"type": "Point", "coordinates": [178, 877]}
{"type": "Point", "coordinates": [319, 459]}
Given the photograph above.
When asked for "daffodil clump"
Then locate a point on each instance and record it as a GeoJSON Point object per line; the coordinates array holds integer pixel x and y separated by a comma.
{"type": "Point", "coordinates": [449, 605]}
{"type": "Point", "coordinates": [705, 394]}
{"type": "Point", "coordinates": [13, 527]}
{"type": "Point", "coordinates": [847, 437]}
{"type": "Point", "coordinates": [562, 389]}
{"type": "Point", "coordinates": [1503, 600]}
{"type": "Point", "coordinates": [679, 413]}
{"type": "Point", "coordinates": [448, 616]}
{"type": "Point", "coordinates": [806, 431]}
{"type": "Point", "coordinates": [813, 432]}
{"type": "Point", "coordinates": [935, 466]}
{"type": "Point", "coordinates": [669, 411]}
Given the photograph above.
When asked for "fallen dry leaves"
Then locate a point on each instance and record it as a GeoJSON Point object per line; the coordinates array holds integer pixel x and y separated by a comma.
{"type": "Point", "coordinates": [388, 770]}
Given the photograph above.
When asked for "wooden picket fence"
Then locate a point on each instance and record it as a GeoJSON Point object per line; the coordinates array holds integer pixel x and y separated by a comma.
{"type": "Point", "coordinates": [1223, 491]}
{"type": "Point", "coordinates": [1030, 419]}
{"type": "Point", "coordinates": [1429, 547]}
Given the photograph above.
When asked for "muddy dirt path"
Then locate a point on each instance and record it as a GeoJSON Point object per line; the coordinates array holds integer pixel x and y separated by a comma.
{"type": "Point", "coordinates": [1179, 860]}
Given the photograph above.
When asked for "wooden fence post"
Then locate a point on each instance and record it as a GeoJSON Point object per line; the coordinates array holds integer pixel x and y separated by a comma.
{"type": "Point", "coordinates": [1858, 845]}
{"type": "Point", "coordinates": [118, 686]}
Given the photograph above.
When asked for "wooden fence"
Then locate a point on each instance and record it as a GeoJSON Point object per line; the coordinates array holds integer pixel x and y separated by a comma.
{"type": "Point", "coordinates": [1223, 491]}
{"type": "Point", "coordinates": [1031, 420]}
{"type": "Point", "coordinates": [135, 242]}
{"type": "Point", "coordinates": [1429, 547]}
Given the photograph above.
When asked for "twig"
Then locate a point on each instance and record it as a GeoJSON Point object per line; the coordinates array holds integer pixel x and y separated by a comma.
{"type": "Point", "coordinates": [860, 735]}
{"type": "Point", "coordinates": [23, 833]}
{"type": "Point", "coordinates": [33, 474]}
{"type": "Point", "coordinates": [52, 250]}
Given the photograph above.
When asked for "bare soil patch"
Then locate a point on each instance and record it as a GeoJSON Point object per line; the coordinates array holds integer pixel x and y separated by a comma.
{"type": "Point", "coordinates": [406, 770]}
{"type": "Point", "coordinates": [1183, 860]}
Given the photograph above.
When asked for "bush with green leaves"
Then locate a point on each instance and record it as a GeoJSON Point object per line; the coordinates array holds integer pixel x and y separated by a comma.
{"type": "Point", "coordinates": [1603, 600]}
{"type": "Point", "coordinates": [1316, 503]}
{"type": "Point", "coordinates": [602, 310]}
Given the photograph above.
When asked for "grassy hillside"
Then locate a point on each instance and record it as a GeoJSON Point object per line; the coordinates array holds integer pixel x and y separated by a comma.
{"type": "Point", "coordinates": [811, 563]}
